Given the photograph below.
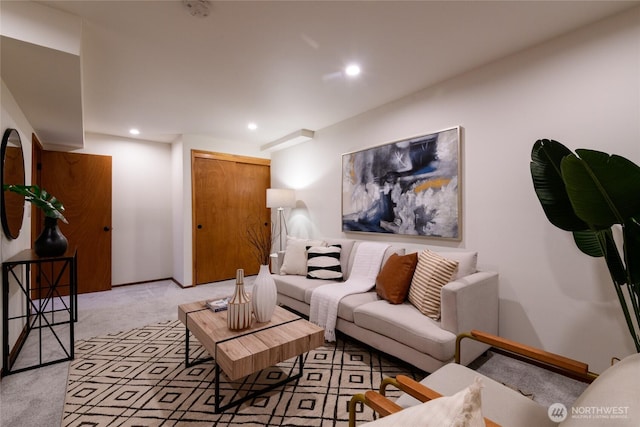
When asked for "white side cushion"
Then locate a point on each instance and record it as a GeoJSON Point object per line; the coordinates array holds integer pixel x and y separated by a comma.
{"type": "Point", "coordinates": [295, 255]}
{"type": "Point", "coordinates": [467, 262]}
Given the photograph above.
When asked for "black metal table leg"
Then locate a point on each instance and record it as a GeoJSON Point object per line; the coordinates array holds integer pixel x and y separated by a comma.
{"type": "Point", "coordinates": [256, 393]}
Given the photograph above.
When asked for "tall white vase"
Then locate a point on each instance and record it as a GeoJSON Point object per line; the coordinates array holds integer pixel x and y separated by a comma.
{"type": "Point", "coordinates": [264, 295]}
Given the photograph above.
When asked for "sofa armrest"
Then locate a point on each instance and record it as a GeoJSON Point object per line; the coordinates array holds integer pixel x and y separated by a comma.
{"type": "Point", "coordinates": [471, 302]}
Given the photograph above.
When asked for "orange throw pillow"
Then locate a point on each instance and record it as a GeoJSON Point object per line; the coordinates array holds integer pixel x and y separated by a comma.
{"type": "Point", "coordinates": [393, 281]}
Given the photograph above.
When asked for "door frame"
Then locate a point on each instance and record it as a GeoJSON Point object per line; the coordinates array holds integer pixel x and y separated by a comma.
{"type": "Point", "coordinates": [212, 155]}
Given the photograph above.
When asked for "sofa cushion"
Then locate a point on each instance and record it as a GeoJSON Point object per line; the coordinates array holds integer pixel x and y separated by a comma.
{"type": "Point", "coordinates": [387, 253]}
{"type": "Point", "coordinates": [345, 253]}
{"type": "Point", "coordinates": [296, 286]}
{"type": "Point", "coordinates": [405, 324]}
{"type": "Point", "coordinates": [323, 262]}
{"type": "Point", "coordinates": [467, 262]}
{"type": "Point", "coordinates": [395, 277]}
{"type": "Point", "coordinates": [295, 256]}
{"type": "Point", "coordinates": [432, 273]}
{"type": "Point", "coordinates": [349, 304]}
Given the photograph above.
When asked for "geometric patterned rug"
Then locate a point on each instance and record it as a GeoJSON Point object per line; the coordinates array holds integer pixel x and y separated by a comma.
{"type": "Point", "coordinates": [138, 378]}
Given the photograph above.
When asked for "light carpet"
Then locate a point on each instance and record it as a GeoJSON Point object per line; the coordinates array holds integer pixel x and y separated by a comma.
{"type": "Point", "coordinates": [138, 377]}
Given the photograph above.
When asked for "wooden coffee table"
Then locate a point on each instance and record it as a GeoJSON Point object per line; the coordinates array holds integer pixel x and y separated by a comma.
{"type": "Point", "coordinates": [244, 352]}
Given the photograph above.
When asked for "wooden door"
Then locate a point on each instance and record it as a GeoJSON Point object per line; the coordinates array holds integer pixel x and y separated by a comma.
{"type": "Point", "coordinates": [228, 193]}
{"type": "Point", "coordinates": [83, 183]}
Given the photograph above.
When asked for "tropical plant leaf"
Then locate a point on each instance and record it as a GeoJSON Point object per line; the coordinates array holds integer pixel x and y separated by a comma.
{"type": "Point", "coordinates": [603, 189]}
{"type": "Point", "coordinates": [40, 198]}
{"type": "Point", "coordinates": [546, 157]}
{"type": "Point", "coordinates": [587, 241]}
{"type": "Point", "coordinates": [615, 264]}
{"type": "Point", "coordinates": [587, 193]}
{"type": "Point", "coordinates": [631, 233]}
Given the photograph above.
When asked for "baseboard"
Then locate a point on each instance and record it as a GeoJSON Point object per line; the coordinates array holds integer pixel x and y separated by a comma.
{"type": "Point", "coordinates": [15, 350]}
{"type": "Point", "coordinates": [148, 281]}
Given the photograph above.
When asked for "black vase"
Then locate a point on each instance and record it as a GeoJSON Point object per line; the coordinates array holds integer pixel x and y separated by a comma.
{"type": "Point", "coordinates": [51, 242]}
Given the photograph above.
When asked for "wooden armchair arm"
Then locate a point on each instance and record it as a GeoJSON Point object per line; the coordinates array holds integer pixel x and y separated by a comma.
{"type": "Point", "coordinates": [415, 389]}
{"type": "Point", "coordinates": [375, 401]}
{"type": "Point", "coordinates": [383, 406]}
{"type": "Point", "coordinates": [563, 364]}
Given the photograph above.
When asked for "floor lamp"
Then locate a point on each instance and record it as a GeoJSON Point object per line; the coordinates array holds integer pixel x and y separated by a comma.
{"type": "Point", "coordinates": [281, 198]}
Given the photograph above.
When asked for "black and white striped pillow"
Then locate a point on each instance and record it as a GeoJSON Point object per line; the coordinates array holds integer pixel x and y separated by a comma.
{"type": "Point", "coordinates": [323, 262]}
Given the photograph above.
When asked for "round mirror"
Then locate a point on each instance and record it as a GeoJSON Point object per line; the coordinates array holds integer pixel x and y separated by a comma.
{"type": "Point", "coordinates": [12, 173]}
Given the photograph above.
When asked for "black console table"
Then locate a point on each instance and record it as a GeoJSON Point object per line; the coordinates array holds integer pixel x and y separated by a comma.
{"type": "Point", "coordinates": [44, 316]}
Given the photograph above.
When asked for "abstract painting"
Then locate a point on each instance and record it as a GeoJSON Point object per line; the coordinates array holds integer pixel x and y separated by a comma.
{"type": "Point", "coordinates": [408, 187]}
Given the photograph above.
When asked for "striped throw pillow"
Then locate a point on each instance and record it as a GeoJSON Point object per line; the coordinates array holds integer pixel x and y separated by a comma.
{"type": "Point", "coordinates": [323, 262]}
{"type": "Point", "coordinates": [432, 273]}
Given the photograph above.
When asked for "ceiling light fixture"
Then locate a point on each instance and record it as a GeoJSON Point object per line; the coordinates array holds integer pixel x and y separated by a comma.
{"type": "Point", "coordinates": [252, 126]}
{"type": "Point", "coordinates": [352, 70]}
{"type": "Point", "coordinates": [134, 131]}
{"type": "Point", "coordinates": [294, 138]}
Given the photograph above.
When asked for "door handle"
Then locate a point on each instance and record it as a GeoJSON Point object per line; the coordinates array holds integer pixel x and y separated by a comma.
{"type": "Point", "coordinates": [106, 228]}
{"type": "Point", "coordinates": [199, 226]}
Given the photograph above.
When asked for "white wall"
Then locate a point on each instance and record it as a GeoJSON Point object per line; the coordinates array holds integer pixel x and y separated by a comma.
{"type": "Point", "coordinates": [12, 117]}
{"type": "Point", "coordinates": [179, 201]}
{"type": "Point", "coordinates": [142, 238]}
{"type": "Point", "coordinates": [582, 90]}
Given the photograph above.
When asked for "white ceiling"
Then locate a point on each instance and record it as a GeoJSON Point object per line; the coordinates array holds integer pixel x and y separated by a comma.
{"type": "Point", "coordinates": [152, 65]}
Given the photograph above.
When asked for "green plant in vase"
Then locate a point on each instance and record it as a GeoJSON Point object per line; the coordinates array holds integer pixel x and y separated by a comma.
{"type": "Point", "coordinates": [51, 242]}
{"type": "Point", "coordinates": [40, 198]}
{"type": "Point", "coordinates": [590, 193]}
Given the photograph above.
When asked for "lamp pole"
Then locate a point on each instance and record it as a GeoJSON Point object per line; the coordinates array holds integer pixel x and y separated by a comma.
{"type": "Point", "coordinates": [281, 221]}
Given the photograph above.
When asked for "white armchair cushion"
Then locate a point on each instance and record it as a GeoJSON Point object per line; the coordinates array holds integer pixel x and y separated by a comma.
{"type": "Point", "coordinates": [463, 409]}
{"type": "Point", "coordinates": [500, 404]}
{"type": "Point", "coordinates": [613, 399]}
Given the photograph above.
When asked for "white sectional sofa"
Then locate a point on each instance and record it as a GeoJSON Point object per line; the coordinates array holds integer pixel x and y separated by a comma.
{"type": "Point", "coordinates": [468, 301]}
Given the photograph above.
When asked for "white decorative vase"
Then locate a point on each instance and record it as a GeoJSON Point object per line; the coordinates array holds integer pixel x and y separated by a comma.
{"type": "Point", "coordinates": [264, 295]}
{"type": "Point", "coordinates": [239, 308]}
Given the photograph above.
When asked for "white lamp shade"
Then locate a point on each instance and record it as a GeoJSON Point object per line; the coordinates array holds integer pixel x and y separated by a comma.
{"type": "Point", "coordinates": [281, 198]}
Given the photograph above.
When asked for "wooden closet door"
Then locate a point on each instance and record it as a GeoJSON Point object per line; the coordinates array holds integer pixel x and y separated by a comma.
{"type": "Point", "coordinates": [228, 193]}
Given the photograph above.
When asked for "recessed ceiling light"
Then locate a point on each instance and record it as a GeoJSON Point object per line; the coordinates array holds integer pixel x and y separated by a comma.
{"type": "Point", "coordinates": [134, 131]}
{"type": "Point", "coordinates": [252, 126]}
{"type": "Point", "coordinates": [352, 70]}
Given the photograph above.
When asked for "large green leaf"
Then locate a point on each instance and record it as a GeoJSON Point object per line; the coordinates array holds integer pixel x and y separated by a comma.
{"type": "Point", "coordinates": [546, 158]}
{"type": "Point", "coordinates": [612, 256]}
{"type": "Point", "coordinates": [603, 189]}
{"type": "Point", "coordinates": [587, 241]}
{"type": "Point", "coordinates": [631, 233]}
{"type": "Point", "coordinates": [601, 244]}
{"type": "Point", "coordinates": [40, 198]}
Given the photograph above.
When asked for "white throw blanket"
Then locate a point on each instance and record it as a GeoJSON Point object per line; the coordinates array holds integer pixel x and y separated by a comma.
{"type": "Point", "coordinates": [325, 299]}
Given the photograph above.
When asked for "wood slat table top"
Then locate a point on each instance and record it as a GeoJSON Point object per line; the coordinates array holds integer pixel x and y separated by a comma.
{"type": "Point", "coordinates": [243, 352]}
